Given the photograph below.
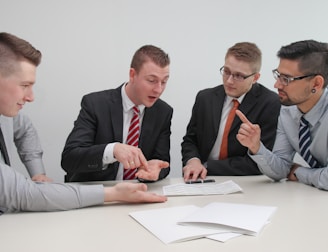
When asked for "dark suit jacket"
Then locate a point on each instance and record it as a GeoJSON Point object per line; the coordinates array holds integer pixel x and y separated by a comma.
{"type": "Point", "coordinates": [260, 105]}
{"type": "Point", "coordinates": [101, 122]}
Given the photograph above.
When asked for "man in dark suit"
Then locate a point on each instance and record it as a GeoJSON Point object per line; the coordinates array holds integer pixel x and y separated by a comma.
{"type": "Point", "coordinates": [202, 146]}
{"type": "Point", "coordinates": [97, 148]}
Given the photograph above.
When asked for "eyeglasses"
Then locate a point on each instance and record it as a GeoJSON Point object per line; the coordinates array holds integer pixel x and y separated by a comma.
{"type": "Point", "coordinates": [237, 77]}
{"type": "Point", "coordinates": [285, 80]}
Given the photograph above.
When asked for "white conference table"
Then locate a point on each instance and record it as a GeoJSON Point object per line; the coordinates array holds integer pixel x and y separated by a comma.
{"type": "Point", "coordinates": [299, 224]}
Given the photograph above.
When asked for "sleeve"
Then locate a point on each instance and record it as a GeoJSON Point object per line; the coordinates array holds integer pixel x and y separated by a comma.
{"type": "Point", "coordinates": [276, 164]}
{"type": "Point", "coordinates": [18, 193]}
{"type": "Point", "coordinates": [28, 145]}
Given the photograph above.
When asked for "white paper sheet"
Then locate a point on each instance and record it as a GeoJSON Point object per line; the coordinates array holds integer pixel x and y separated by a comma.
{"type": "Point", "coordinates": [183, 189]}
{"type": "Point", "coordinates": [223, 237]}
{"type": "Point", "coordinates": [240, 218]}
{"type": "Point", "coordinates": [163, 224]}
{"type": "Point", "coordinates": [216, 221]}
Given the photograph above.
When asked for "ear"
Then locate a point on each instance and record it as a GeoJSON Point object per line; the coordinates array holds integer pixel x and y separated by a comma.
{"type": "Point", "coordinates": [318, 82]}
{"type": "Point", "coordinates": [132, 73]}
{"type": "Point", "coordinates": [256, 77]}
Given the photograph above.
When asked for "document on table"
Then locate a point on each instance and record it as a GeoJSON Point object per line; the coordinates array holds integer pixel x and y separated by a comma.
{"type": "Point", "coordinates": [217, 221]}
{"type": "Point", "coordinates": [163, 224]}
{"type": "Point", "coordinates": [183, 189]}
{"type": "Point", "coordinates": [238, 218]}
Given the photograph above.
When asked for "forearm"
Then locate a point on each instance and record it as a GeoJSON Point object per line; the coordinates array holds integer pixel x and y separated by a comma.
{"type": "Point", "coordinates": [21, 194]}
{"type": "Point", "coordinates": [272, 165]}
{"type": "Point", "coordinates": [317, 177]}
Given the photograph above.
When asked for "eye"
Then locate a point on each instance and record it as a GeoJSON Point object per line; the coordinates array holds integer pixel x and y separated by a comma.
{"type": "Point", "coordinates": [239, 77]}
{"type": "Point", "coordinates": [226, 72]}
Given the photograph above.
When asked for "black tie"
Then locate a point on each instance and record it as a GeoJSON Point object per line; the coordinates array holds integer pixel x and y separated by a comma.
{"type": "Point", "coordinates": [4, 149]}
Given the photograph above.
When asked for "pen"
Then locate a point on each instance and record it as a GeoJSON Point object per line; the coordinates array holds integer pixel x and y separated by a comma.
{"type": "Point", "coordinates": [200, 181]}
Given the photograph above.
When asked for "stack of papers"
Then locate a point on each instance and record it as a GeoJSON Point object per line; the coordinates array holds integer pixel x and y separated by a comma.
{"type": "Point", "coordinates": [183, 189]}
{"type": "Point", "coordinates": [217, 221]}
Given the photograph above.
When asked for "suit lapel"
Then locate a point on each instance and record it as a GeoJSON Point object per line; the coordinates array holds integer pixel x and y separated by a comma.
{"type": "Point", "coordinates": [148, 124]}
{"type": "Point", "coordinates": [116, 115]}
{"type": "Point", "coordinates": [247, 104]}
{"type": "Point", "coordinates": [217, 105]}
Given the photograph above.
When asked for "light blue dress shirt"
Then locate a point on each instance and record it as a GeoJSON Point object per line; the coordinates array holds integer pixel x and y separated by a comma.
{"type": "Point", "coordinates": [277, 164]}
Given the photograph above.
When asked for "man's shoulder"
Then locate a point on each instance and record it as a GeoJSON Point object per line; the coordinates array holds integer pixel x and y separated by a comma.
{"type": "Point", "coordinates": [264, 92]}
{"type": "Point", "coordinates": [102, 93]}
{"type": "Point", "coordinates": [160, 104]}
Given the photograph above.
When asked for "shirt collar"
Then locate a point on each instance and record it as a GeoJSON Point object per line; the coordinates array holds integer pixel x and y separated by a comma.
{"type": "Point", "coordinates": [314, 115]}
{"type": "Point", "coordinates": [239, 99]}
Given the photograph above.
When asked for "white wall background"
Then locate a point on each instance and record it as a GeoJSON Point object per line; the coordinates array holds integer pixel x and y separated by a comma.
{"type": "Point", "coordinates": [87, 46]}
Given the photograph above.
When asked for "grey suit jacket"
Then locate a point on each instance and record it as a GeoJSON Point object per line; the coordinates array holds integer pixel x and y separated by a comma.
{"type": "Point", "coordinates": [100, 122]}
{"type": "Point", "coordinates": [20, 131]}
{"type": "Point", "coordinates": [260, 105]}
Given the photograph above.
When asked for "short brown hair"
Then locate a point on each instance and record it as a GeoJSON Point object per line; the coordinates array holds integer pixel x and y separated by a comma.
{"type": "Point", "coordinates": [149, 53]}
{"type": "Point", "coordinates": [13, 49]}
{"type": "Point", "coordinates": [248, 52]}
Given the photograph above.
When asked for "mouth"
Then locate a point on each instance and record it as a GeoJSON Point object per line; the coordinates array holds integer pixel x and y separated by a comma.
{"type": "Point", "coordinates": [281, 93]}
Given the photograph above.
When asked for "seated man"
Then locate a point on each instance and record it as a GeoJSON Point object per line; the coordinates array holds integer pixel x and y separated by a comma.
{"type": "Point", "coordinates": [301, 80]}
{"type": "Point", "coordinates": [124, 133]}
{"type": "Point", "coordinates": [210, 146]}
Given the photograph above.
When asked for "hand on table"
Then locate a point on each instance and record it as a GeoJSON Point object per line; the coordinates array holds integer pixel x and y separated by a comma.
{"type": "Point", "coordinates": [131, 192]}
{"type": "Point", "coordinates": [194, 170]}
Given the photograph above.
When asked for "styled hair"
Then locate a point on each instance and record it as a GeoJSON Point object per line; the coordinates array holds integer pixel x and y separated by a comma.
{"type": "Point", "coordinates": [14, 49]}
{"type": "Point", "coordinates": [247, 52]}
{"type": "Point", "coordinates": [312, 57]}
{"type": "Point", "coordinates": [149, 53]}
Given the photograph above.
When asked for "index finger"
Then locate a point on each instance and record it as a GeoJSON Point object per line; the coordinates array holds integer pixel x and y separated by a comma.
{"type": "Point", "coordinates": [242, 117]}
{"type": "Point", "coordinates": [143, 160]}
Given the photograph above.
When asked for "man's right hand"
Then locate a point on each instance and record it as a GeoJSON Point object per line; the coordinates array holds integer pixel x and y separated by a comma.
{"type": "Point", "coordinates": [131, 157]}
{"type": "Point", "coordinates": [249, 135]}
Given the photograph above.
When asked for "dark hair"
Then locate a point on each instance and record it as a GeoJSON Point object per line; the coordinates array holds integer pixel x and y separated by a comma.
{"type": "Point", "coordinates": [13, 49]}
{"type": "Point", "coordinates": [248, 52]}
{"type": "Point", "coordinates": [149, 53]}
{"type": "Point", "coordinates": [312, 57]}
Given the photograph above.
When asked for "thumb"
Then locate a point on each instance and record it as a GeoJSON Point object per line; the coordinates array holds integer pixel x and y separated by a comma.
{"type": "Point", "coordinates": [164, 164]}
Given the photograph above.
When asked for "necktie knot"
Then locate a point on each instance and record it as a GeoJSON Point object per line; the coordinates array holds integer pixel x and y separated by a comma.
{"type": "Point", "coordinates": [235, 104]}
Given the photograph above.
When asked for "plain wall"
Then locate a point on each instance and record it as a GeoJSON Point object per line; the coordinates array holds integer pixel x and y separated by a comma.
{"type": "Point", "coordinates": [88, 45]}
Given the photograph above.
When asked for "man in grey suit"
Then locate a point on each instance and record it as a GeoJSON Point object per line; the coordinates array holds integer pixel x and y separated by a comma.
{"type": "Point", "coordinates": [202, 146]}
{"type": "Point", "coordinates": [97, 149]}
{"type": "Point", "coordinates": [18, 62]}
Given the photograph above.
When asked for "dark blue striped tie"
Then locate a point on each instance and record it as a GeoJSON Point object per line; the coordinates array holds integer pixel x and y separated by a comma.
{"type": "Point", "coordinates": [305, 142]}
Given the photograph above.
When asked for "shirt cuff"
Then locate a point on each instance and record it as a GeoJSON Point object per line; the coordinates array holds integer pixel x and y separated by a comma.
{"type": "Point", "coordinates": [108, 157]}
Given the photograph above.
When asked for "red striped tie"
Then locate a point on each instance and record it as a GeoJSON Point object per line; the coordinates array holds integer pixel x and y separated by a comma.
{"type": "Point", "coordinates": [132, 139]}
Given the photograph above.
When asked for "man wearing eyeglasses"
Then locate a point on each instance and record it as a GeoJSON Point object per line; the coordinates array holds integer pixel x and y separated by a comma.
{"type": "Point", "coordinates": [301, 80]}
{"type": "Point", "coordinates": [210, 146]}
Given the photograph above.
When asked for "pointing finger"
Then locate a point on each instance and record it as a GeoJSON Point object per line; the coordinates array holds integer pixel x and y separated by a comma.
{"type": "Point", "coordinates": [242, 117]}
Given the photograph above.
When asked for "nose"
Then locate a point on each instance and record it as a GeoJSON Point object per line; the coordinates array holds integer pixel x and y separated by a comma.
{"type": "Point", "coordinates": [230, 78]}
{"type": "Point", "coordinates": [278, 85]}
{"type": "Point", "coordinates": [159, 88]}
{"type": "Point", "coordinates": [29, 96]}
